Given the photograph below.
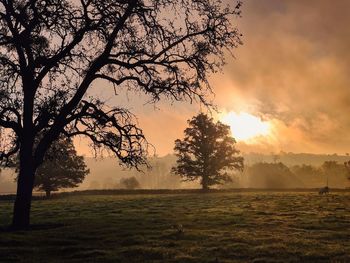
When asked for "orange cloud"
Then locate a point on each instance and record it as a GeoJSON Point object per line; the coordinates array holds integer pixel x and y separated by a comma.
{"type": "Point", "coordinates": [293, 71]}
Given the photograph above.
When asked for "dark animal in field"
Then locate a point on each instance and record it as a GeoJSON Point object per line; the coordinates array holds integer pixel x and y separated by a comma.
{"type": "Point", "coordinates": [324, 190]}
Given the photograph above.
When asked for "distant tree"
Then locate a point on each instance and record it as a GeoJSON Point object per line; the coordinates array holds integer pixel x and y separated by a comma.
{"type": "Point", "coordinates": [159, 175]}
{"type": "Point", "coordinates": [271, 175]}
{"type": "Point", "coordinates": [207, 152]}
{"type": "Point", "coordinates": [347, 167]}
{"type": "Point", "coordinates": [305, 170]}
{"type": "Point", "coordinates": [62, 168]}
{"type": "Point", "coordinates": [275, 157]}
{"type": "Point", "coordinates": [52, 52]}
{"type": "Point", "coordinates": [311, 176]}
{"type": "Point", "coordinates": [130, 183]}
{"type": "Point", "coordinates": [330, 166]}
{"type": "Point", "coordinates": [334, 171]}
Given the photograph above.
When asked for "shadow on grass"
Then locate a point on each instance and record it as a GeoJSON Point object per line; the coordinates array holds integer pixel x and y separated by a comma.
{"type": "Point", "coordinates": [33, 227]}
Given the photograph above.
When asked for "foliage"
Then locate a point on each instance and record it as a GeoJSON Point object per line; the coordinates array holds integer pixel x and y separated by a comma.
{"type": "Point", "coordinates": [62, 168]}
{"type": "Point", "coordinates": [207, 152]}
{"type": "Point", "coordinates": [333, 171]}
{"type": "Point", "coordinates": [271, 175]}
{"type": "Point", "coordinates": [305, 170]}
{"type": "Point", "coordinates": [51, 53]}
{"type": "Point", "coordinates": [278, 175]}
{"type": "Point", "coordinates": [309, 175]}
{"type": "Point", "coordinates": [129, 183]}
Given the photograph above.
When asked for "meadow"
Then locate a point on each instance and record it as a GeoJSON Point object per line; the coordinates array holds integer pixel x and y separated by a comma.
{"type": "Point", "coordinates": [185, 227]}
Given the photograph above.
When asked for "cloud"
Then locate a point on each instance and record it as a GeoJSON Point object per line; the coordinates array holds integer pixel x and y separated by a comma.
{"type": "Point", "coordinates": [294, 70]}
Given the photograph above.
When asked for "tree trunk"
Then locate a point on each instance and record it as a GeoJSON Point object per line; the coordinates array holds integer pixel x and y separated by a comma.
{"type": "Point", "coordinates": [25, 183]}
{"type": "Point", "coordinates": [205, 185]}
{"type": "Point", "coordinates": [48, 194]}
{"type": "Point", "coordinates": [27, 168]}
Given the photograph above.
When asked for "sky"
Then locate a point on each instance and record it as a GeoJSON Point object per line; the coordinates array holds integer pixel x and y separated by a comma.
{"type": "Point", "coordinates": [291, 76]}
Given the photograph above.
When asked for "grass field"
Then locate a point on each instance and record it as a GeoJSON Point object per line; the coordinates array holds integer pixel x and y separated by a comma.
{"type": "Point", "coordinates": [216, 227]}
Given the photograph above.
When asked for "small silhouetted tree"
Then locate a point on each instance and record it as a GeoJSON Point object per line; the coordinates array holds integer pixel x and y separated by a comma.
{"type": "Point", "coordinates": [129, 183]}
{"type": "Point", "coordinates": [62, 168]}
{"type": "Point", "coordinates": [332, 169]}
{"type": "Point", "coordinates": [347, 167]}
{"type": "Point", "coordinates": [207, 152]}
{"type": "Point", "coordinates": [51, 52]}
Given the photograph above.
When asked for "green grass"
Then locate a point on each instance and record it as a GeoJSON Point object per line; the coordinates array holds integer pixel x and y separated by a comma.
{"type": "Point", "coordinates": [217, 227]}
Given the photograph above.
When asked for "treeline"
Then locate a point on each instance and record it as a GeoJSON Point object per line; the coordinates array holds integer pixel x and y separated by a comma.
{"type": "Point", "coordinates": [106, 174]}
{"type": "Point", "coordinates": [292, 159]}
{"type": "Point", "coordinates": [257, 175]}
{"type": "Point", "coordinates": [278, 175]}
{"type": "Point", "coordinates": [265, 174]}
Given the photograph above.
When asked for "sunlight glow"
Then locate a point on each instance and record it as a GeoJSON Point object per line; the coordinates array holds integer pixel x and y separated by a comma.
{"type": "Point", "coordinates": [244, 126]}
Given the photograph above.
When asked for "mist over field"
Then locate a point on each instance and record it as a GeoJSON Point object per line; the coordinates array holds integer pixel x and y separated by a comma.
{"type": "Point", "coordinates": [220, 131]}
{"type": "Point", "coordinates": [106, 173]}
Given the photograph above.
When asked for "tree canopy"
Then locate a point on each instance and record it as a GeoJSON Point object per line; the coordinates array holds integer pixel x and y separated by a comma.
{"type": "Point", "coordinates": [62, 168]}
{"type": "Point", "coordinates": [274, 175]}
{"type": "Point", "coordinates": [207, 152]}
{"type": "Point", "coordinates": [52, 52]}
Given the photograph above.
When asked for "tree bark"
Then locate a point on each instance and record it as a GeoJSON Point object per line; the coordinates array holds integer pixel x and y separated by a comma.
{"type": "Point", "coordinates": [48, 194]}
{"type": "Point", "coordinates": [25, 183]}
{"type": "Point", "coordinates": [205, 185]}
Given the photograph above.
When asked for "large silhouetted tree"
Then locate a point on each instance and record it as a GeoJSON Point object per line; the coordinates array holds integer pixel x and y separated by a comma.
{"type": "Point", "coordinates": [53, 51]}
{"type": "Point", "coordinates": [62, 167]}
{"type": "Point", "coordinates": [207, 152]}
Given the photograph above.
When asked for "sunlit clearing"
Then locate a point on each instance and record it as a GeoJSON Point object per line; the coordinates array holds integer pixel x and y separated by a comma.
{"type": "Point", "coordinates": [245, 126]}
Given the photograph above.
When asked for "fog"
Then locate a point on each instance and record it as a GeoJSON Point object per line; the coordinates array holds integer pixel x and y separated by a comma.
{"type": "Point", "coordinates": [7, 181]}
{"type": "Point", "coordinates": [283, 170]}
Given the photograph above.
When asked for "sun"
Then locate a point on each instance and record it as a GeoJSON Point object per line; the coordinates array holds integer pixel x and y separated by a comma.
{"type": "Point", "coordinates": [244, 126]}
